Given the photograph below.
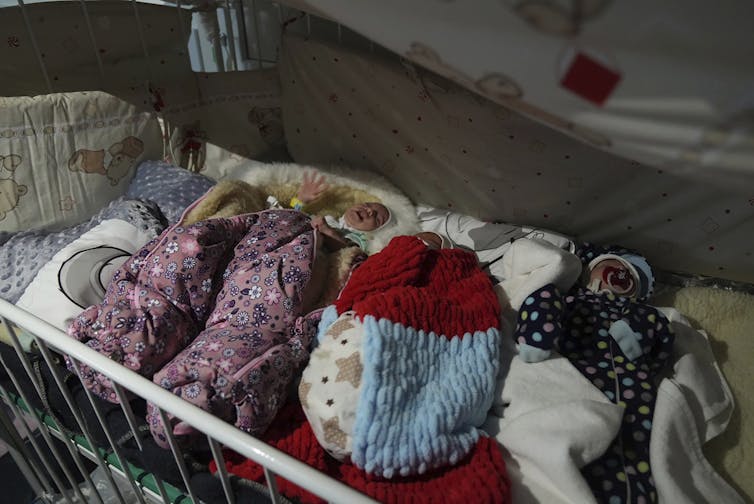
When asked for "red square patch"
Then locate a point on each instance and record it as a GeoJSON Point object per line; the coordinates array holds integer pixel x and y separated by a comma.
{"type": "Point", "coordinates": [590, 79]}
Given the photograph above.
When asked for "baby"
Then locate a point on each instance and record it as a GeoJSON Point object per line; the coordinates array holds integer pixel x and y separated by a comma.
{"type": "Point", "coordinates": [353, 227]}
{"type": "Point", "coordinates": [618, 343]}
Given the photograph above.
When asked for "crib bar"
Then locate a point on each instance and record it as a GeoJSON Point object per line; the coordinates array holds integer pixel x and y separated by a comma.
{"type": "Point", "coordinates": [44, 350]}
{"type": "Point", "coordinates": [340, 34]}
{"type": "Point", "coordinates": [15, 444]}
{"type": "Point", "coordinates": [217, 42]}
{"type": "Point", "coordinates": [198, 49]}
{"type": "Point", "coordinates": [269, 476]}
{"type": "Point", "coordinates": [161, 488]}
{"type": "Point", "coordinates": [40, 391]}
{"type": "Point", "coordinates": [48, 440]}
{"type": "Point", "coordinates": [42, 475]}
{"type": "Point", "coordinates": [275, 460]}
{"type": "Point", "coordinates": [93, 40]}
{"type": "Point", "coordinates": [113, 444]}
{"type": "Point", "coordinates": [217, 454]}
{"type": "Point", "coordinates": [230, 36]}
{"type": "Point", "coordinates": [308, 25]}
{"type": "Point", "coordinates": [257, 34]}
{"type": "Point", "coordinates": [130, 417]}
{"type": "Point", "coordinates": [143, 40]}
{"type": "Point", "coordinates": [177, 454]}
{"type": "Point", "coordinates": [35, 46]}
{"type": "Point", "coordinates": [243, 36]}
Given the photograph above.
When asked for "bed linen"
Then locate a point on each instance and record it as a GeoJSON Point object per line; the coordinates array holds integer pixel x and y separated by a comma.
{"type": "Point", "coordinates": [19, 266]}
{"type": "Point", "coordinates": [170, 187]}
{"type": "Point", "coordinates": [727, 317]}
{"type": "Point", "coordinates": [551, 421]}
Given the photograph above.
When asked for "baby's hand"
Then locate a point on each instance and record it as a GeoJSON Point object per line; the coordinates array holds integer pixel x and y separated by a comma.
{"type": "Point", "coordinates": [312, 187]}
{"type": "Point", "coordinates": [319, 223]}
{"type": "Point", "coordinates": [430, 239]}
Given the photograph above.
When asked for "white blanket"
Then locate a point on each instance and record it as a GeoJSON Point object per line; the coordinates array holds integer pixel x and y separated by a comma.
{"type": "Point", "coordinates": [552, 421]}
{"type": "Point", "coordinates": [693, 406]}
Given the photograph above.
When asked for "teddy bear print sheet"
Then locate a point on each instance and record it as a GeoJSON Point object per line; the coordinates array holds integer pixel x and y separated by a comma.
{"type": "Point", "coordinates": [552, 421]}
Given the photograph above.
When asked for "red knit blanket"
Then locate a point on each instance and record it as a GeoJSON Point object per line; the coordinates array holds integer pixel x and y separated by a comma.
{"type": "Point", "coordinates": [443, 291]}
{"type": "Point", "coordinates": [480, 477]}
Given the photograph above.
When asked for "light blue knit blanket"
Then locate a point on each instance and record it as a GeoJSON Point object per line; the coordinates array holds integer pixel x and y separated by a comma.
{"type": "Point", "coordinates": [422, 396]}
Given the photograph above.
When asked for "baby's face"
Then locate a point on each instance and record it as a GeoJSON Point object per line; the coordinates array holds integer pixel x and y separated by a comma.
{"type": "Point", "coordinates": [367, 216]}
{"type": "Point", "coordinates": [611, 275]}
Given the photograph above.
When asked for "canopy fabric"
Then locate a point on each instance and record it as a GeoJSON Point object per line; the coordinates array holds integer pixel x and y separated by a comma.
{"type": "Point", "coordinates": [667, 84]}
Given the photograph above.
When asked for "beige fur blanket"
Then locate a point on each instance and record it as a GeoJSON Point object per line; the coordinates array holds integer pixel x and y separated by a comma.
{"type": "Point", "coordinates": [728, 318]}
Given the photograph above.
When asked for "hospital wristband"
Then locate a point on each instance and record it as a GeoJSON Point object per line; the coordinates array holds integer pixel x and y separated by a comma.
{"type": "Point", "coordinates": [296, 203]}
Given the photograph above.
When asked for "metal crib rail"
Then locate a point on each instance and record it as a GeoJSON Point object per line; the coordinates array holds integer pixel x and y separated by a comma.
{"type": "Point", "coordinates": [217, 431]}
{"type": "Point", "coordinates": [49, 442]}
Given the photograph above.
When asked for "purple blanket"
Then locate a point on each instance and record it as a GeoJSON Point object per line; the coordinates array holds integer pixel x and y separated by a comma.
{"type": "Point", "coordinates": [210, 311]}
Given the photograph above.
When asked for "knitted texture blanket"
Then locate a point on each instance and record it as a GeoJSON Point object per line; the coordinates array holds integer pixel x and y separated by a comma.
{"type": "Point", "coordinates": [479, 477]}
{"type": "Point", "coordinates": [431, 356]}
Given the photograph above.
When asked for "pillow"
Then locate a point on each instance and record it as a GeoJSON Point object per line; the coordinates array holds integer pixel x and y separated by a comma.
{"type": "Point", "coordinates": [65, 156]}
{"type": "Point", "coordinates": [170, 187]}
{"type": "Point", "coordinates": [24, 254]}
{"type": "Point", "coordinates": [78, 275]}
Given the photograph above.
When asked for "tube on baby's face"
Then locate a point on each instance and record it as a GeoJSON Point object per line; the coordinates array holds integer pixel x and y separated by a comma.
{"type": "Point", "coordinates": [611, 275]}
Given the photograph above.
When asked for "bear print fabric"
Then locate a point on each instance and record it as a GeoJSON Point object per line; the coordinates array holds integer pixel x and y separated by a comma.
{"type": "Point", "coordinates": [331, 384]}
{"type": "Point", "coordinates": [65, 156]}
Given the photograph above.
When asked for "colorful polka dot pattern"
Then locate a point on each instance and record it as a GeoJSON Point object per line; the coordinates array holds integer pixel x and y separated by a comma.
{"type": "Point", "coordinates": [578, 326]}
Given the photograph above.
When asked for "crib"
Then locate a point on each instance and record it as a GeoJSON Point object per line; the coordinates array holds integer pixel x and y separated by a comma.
{"type": "Point", "coordinates": [136, 112]}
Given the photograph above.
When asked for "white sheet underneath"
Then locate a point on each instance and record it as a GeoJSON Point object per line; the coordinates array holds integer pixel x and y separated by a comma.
{"type": "Point", "coordinates": [551, 421]}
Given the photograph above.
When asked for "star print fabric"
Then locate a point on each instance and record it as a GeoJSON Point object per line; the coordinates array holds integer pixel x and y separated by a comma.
{"type": "Point", "coordinates": [331, 383]}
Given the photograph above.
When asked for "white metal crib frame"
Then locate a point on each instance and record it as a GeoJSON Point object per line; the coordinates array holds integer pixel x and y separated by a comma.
{"type": "Point", "coordinates": [39, 472]}
{"type": "Point", "coordinates": [217, 431]}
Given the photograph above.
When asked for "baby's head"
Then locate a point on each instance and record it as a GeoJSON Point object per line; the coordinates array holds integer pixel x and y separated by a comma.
{"type": "Point", "coordinates": [368, 216]}
{"type": "Point", "coordinates": [627, 275]}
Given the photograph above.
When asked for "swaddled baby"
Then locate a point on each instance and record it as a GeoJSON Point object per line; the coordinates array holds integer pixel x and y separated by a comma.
{"type": "Point", "coordinates": [620, 344]}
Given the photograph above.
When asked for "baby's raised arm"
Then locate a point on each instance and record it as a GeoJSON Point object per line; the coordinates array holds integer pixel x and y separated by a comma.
{"type": "Point", "coordinates": [312, 187]}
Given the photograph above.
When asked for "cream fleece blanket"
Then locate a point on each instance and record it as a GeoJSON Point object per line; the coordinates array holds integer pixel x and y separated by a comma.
{"type": "Point", "coordinates": [728, 319]}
